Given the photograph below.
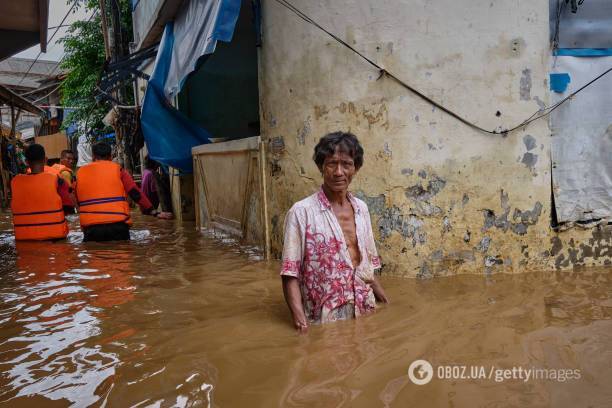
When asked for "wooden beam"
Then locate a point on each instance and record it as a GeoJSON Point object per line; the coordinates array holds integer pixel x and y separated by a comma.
{"type": "Point", "coordinates": [12, 99]}
{"type": "Point", "coordinates": [43, 23]}
{"type": "Point", "coordinates": [264, 199]}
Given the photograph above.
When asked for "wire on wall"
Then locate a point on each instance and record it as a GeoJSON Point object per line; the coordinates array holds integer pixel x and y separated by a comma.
{"type": "Point", "coordinates": [383, 72]}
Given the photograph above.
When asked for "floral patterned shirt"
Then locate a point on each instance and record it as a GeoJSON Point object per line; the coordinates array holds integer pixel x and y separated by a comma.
{"type": "Point", "coordinates": [315, 252]}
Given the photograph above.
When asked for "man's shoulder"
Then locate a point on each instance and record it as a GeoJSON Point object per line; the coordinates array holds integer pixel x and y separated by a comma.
{"type": "Point", "coordinates": [306, 204]}
{"type": "Point", "coordinates": [360, 203]}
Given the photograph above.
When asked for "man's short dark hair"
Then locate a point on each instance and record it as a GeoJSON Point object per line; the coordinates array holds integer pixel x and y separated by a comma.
{"type": "Point", "coordinates": [65, 153]}
{"type": "Point", "coordinates": [102, 150]}
{"type": "Point", "coordinates": [35, 153]}
{"type": "Point", "coordinates": [344, 141]}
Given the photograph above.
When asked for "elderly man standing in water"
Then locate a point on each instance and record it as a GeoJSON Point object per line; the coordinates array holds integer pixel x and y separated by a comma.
{"type": "Point", "coordinates": [329, 254]}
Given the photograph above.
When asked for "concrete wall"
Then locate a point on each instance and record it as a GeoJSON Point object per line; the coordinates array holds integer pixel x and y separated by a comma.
{"type": "Point", "coordinates": [443, 197]}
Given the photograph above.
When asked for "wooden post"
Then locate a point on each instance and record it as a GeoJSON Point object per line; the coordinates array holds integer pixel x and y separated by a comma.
{"type": "Point", "coordinates": [5, 183]}
{"type": "Point", "coordinates": [107, 46]}
{"type": "Point", "coordinates": [196, 192]}
{"type": "Point", "coordinates": [175, 189]}
{"type": "Point", "coordinates": [264, 199]}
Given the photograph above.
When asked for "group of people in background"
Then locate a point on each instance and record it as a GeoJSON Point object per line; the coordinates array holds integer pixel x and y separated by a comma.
{"type": "Point", "coordinates": [99, 191]}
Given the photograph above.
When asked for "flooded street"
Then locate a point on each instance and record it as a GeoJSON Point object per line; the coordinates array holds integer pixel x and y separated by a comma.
{"type": "Point", "coordinates": [180, 318]}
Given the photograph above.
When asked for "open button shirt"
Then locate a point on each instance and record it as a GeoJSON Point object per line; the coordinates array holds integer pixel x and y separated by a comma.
{"type": "Point", "coordinates": [316, 253]}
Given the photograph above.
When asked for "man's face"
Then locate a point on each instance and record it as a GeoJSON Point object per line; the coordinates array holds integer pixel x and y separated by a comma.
{"type": "Point", "coordinates": [338, 171]}
{"type": "Point", "coordinates": [68, 160]}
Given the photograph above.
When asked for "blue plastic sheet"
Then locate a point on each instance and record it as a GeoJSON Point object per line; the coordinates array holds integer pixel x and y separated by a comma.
{"type": "Point", "coordinates": [169, 134]}
{"type": "Point", "coordinates": [583, 52]}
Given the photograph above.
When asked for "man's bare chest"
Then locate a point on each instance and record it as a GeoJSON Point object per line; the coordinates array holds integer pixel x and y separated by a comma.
{"type": "Point", "coordinates": [346, 220]}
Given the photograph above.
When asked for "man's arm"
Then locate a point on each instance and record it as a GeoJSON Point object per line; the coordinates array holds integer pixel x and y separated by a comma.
{"type": "Point", "coordinates": [67, 176]}
{"type": "Point", "coordinates": [136, 194]}
{"type": "Point", "coordinates": [293, 297]}
{"type": "Point", "coordinates": [293, 254]}
{"type": "Point", "coordinates": [379, 292]}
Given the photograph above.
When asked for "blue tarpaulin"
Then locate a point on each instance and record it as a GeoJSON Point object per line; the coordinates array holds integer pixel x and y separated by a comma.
{"type": "Point", "coordinates": [583, 52]}
{"type": "Point", "coordinates": [168, 133]}
{"type": "Point", "coordinates": [73, 127]}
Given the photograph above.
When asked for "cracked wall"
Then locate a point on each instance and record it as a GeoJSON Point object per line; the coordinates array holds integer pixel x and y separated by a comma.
{"type": "Point", "coordinates": [444, 198]}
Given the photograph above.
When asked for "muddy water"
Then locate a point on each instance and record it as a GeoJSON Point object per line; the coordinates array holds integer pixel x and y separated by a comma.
{"type": "Point", "coordinates": [178, 318]}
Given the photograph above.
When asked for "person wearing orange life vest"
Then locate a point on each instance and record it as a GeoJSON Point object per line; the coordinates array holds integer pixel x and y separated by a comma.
{"type": "Point", "coordinates": [64, 170]}
{"type": "Point", "coordinates": [102, 190]}
{"type": "Point", "coordinates": [37, 200]}
{"type": "Point", "coordinates": [46, 169]}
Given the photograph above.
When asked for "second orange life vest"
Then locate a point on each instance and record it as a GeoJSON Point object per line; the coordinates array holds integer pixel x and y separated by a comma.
{"type": "Point", "coordinates": [37, 207]}
{"type": "Point", "coordinates": [101, 195]}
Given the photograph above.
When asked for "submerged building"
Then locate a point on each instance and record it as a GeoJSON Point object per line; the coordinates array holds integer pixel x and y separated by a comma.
{"type": "Point", "coordinates": [478, 157]}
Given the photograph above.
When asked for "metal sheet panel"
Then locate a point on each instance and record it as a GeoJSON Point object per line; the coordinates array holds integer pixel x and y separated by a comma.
{"type": "Point", "coordinates": [582, 142]}
{"type": "Point", "coordinates": [589, 27]}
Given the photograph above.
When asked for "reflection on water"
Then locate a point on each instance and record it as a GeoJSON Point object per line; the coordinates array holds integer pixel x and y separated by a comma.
{"type": "Point", "coordinates": [178, 318]}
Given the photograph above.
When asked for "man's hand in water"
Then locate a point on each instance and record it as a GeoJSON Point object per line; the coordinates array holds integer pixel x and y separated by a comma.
{"type": "Point", "coordinates": [300, 325]}
{"type": "Point", "coordinates": [293, 296]}
{"type": "Point", "coordinates": [379, 292]}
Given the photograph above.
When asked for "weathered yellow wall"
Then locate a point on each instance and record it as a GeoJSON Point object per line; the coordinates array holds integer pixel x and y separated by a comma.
{"type": "Point", "coordinates": [444, 198]}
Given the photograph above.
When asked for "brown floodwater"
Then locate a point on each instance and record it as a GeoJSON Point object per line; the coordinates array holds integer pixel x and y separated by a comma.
{"type": "Point", "coordinates": [181, 318]}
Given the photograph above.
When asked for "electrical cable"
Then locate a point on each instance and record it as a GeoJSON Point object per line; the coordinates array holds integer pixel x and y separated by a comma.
{"type": "Point", "coordinates": [59, 63]}
{"type": "Point", "coordinates": [43, 97]}
{"type": "Point", "coordinates": [48, 41]}
{"type": "Point", "coordinates": [33, 91]}
{"type": "Point", "coordinates": [383, 72]}
{"type": "Point", "coordinates": [560, 7]}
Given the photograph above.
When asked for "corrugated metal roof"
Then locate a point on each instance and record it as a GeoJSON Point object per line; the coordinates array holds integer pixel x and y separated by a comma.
{"type": "Point", "coordinates": [12, 70]}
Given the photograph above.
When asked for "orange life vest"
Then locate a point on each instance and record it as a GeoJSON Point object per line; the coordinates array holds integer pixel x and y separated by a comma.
{"type": "Point", "coordinates": [101, 195]}
{"type": "Point", "coordinates": [37, 207]}
{"type": "Point", "coordinates": [59, 168]}
{"type": "Point", "coordinates": [47, 169]}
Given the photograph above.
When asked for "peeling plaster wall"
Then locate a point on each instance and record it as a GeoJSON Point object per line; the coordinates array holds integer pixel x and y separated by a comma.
{"type": "Point", "coordinates": [444, 198]}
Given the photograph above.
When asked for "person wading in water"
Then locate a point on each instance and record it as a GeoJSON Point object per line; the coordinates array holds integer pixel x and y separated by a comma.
{"type": "Point", "coordinates": [329, 254]}
{"type": "Point", "coordinates": [65, 171]}
{"type": "Point", "coordinates": [37, 200]}
{"type": "Point", "coordinates": [102, 189]}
